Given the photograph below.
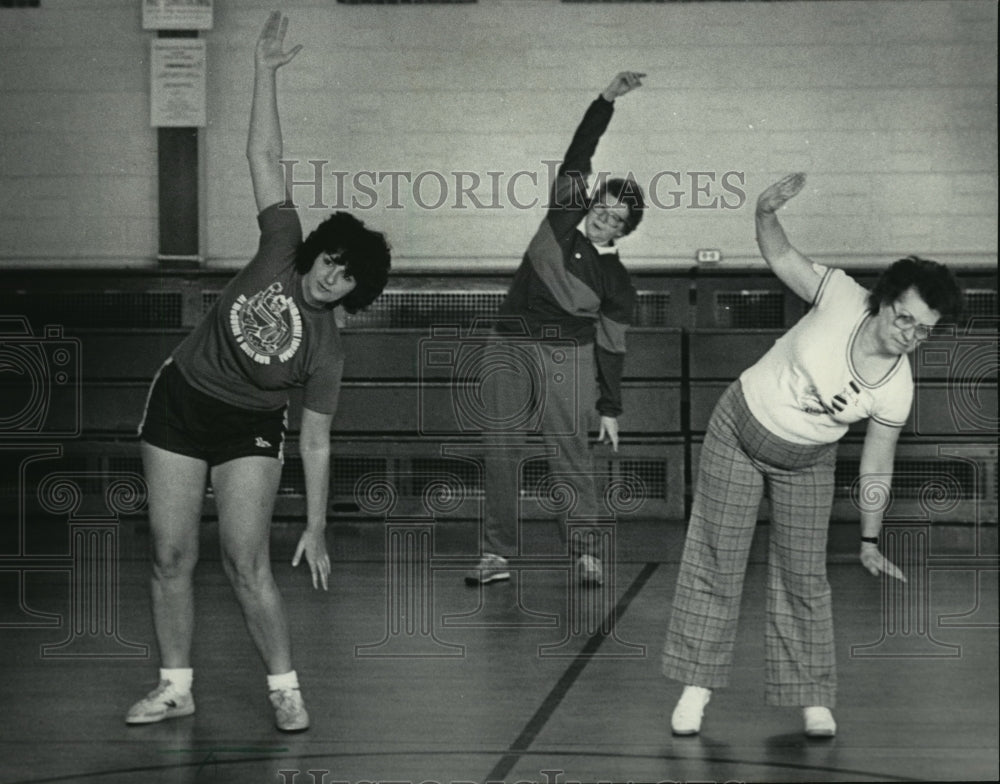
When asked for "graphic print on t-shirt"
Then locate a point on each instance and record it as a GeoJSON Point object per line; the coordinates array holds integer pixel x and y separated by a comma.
{"type": "Point", "coordinates": [812, 402]}
{"type": "Point", "coordinates": [266, 325]}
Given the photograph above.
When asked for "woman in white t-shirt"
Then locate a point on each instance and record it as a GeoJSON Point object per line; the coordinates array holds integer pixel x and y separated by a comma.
{"type": "Point", "coordinates": [778, 426]}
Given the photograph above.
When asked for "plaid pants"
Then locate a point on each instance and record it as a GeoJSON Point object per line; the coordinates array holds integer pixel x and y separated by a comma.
{"type": "Point", "coordinates": [738, 459]}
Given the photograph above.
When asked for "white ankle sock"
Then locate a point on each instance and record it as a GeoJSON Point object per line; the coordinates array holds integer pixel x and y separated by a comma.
{"type": "Point", "coordinates": [288, 680]}
{"type": "Point", "coordinates": [180, 677]}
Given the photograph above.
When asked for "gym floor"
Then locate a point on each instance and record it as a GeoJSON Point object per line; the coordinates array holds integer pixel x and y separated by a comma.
{"type": "Point", "coordinates": [412, 676]}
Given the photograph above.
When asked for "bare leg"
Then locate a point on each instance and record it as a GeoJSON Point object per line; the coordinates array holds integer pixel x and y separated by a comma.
{"type": "Point", "coordinates": [245, 489]}
{"type": "Point", "coordinates": [176, 487]}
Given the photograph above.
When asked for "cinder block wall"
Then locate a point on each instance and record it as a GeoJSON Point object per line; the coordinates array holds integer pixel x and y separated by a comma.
{"type": "Point", "coordinates": [889, 106]}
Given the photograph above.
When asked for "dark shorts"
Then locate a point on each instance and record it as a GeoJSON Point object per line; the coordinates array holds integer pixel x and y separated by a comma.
{"type": "Point", "coordinates": [182, 419]}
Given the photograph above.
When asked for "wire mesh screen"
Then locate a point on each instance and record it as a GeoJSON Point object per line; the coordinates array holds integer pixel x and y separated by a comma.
{"type": "Point", "coordinates": [651, 474]}
{"type": "Point", "coordinates": [652, 309]}
{"type": "Point", "coordinates": [532, 474]}
{"type": "Point", "coordinates": [750, 309]}
{"type": "Point", "coordinates": [980, 302]}
{"type": "Point", "coordinates": [648, 474]}
{"type": "Point", "coordinates": [407, 2]}
{"type": "Point", "coordinates": [96, 309]}
{"type": "Point", "coordinates": [21, 481]}
{"type": "Point", "coordinates": [463, 476]}
{"type": "Point", "coordinates": [124, 464]}
{"type": "Point", "coordinates": [922, 479]}
{"type": "Point", "coordinates": [344, 474]}
{"type": "Point", "coordinates": [209, 298]}
{"type": "Point", "coordinates": [346, 471]}
{"type": "Point", "coordinates": [422, 308]}
{"type": "Point", "coordinates": [293, 478]}
{"type": "Point", "coordinates": [10, 476]}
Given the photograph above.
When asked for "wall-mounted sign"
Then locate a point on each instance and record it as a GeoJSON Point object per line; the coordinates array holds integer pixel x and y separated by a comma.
{"type": "Point", "coordinates": [176, 14]}
{"type": "Point", "coordinates": [177, 82]}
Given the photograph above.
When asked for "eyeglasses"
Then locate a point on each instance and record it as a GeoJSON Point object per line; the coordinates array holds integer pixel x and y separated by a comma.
{"type": "Point", "coordinates": [906, 322]}
{"type": "Point", "coordinates": [613, 219]}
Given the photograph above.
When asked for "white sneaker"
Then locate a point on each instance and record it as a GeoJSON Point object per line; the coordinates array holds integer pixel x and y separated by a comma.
{"type": "Point", "coordinates": [490, 569]}
{"type": "Point", "coordinates": [819, 722]}
{"type": "Point", "coordinates": [163, 702]}
{"type": "Point", "coordinates": [590, 570]}
{"type": "Point", "coordinates": [686, 719]}
{"type": "Point", "coordinates": [290, 713]}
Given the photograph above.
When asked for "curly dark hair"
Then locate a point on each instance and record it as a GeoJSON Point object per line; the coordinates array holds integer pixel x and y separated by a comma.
{"type": "Point", "coordinates": [365, 253]}
{"type": "Point", "coordinates": [627, 191]}
{"type": "Point", "coordinates": [933, 281]}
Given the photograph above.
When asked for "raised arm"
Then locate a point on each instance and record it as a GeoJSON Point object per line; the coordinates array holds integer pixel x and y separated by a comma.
{"type": "Point", "coordinates": [264, 145]}
{"type": "Point", "coordinates": [595, 122]}
{"type": "Point", "coordinates": [625, 82]}
{"type": "Point", "coordinates": [792, 268]}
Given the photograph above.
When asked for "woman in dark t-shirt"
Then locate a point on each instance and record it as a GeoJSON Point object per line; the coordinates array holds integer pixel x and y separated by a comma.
{"type": "Point", "coordinates": [218, 408]}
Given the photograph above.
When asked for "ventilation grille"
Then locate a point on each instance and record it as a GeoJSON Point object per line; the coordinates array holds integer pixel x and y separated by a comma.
{"type": "Point", "coordinates": [650, 474]}
{"type": "Point", "coordinates": [980, 303]}
{"type": "Point", "coordinates": [424, 309]}
{"type": "Point", "coordinates": [293, 478]}
{"type": "Point", "coordinates": [532, 474]}
{"type": "Point", "coordinates": [750, 309]}
{"type": "Point", "coordinates": [652, 309]}
{"type": "Point", "coordinates": [346, 471]}
{"type": "Point", "coordinates": [124, 464]}
{"type": "Point", "coordinates": [660, 2]}
{"type": "Point", "coordinates": [462, 475]}
{"type": "Point", "coordinates": [646, 476]}
{"type": "Point", "coordinates": [79, 474]}
{"type": "Point", "coordinates": [407, 2]}
{"type": "Point", "coordinates": [88, 480]}
{"type": "Point", "coordinates": [344, 475]}
{"type": "Point", "coordinates": [419, 476]}
{"type": "Point", "coordinates": [209, 298]}
{"type": "Point", "coordinates": [96, 309]}
{"type": "Point", "coordinates": [937, 483]}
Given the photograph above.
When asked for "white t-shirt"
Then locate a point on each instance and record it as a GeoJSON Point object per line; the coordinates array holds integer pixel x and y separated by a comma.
{"type": "Point", "coordinates": [806, 390]}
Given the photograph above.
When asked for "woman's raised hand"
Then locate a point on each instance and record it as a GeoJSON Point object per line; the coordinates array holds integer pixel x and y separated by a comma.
{"type": "Point", "coordinates": [784, 189]}
{"type": "Point", "coordinates": [270, 46]}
